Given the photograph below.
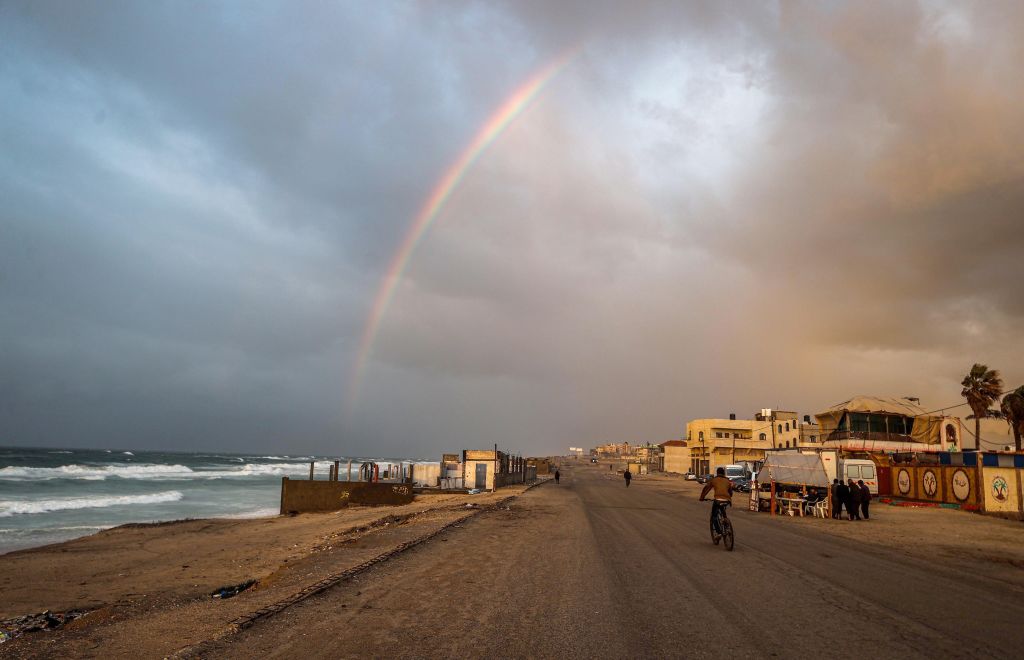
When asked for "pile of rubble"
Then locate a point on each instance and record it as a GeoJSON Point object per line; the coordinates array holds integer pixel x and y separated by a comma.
{"type": "Point", "coordinates": [29, 623]}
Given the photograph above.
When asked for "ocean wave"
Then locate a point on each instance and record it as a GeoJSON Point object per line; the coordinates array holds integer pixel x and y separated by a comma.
{"type": "Point", "coordinates": [148, 471]}
{"type": "Point", "coordinates": [96, 472]}
{"type": "Point", "coordinates": [16, 507]}
{"type": "Point", "coordinates": [27, 531]}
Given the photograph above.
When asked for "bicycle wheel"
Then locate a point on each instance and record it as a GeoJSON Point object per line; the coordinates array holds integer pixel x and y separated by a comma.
{"type": "Point", "coordinates": [727, 533]}
{"type": "Point", "coordinates": [715, 537]}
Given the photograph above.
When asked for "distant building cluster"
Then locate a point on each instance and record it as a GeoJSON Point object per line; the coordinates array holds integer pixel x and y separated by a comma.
{"type": "Point", "coordinates": [860, 424]}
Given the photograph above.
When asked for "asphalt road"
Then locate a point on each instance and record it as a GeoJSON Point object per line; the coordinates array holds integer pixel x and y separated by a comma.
{"type": "Point", "coordinates": [589, 568]}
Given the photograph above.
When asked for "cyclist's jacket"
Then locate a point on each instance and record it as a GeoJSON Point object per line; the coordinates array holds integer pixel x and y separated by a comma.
{"type": "Point", "coordinates": [722, 488]}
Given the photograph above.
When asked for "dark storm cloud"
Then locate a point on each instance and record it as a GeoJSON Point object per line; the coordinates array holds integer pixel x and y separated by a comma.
{"type": "Point", "coordinates": [713, 208]}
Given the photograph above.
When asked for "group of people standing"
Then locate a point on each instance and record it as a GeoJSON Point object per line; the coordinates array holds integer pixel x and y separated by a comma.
{"type": "Point", "coordinates": [855, 496]}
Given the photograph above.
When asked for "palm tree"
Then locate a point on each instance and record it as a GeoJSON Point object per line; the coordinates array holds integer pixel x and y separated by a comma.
{"type": "Point", "coordinates": [1013, 412]}
{"type": "Point", "coordinates": [982, 387]}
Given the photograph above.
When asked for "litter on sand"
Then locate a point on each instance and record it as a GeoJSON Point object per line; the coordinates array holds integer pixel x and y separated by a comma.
{"type": "Point", "coordinates": [231, 591]}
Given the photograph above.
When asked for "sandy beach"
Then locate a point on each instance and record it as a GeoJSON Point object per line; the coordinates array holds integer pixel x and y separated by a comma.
{"type": "Point", "coordinates": [148, 587]}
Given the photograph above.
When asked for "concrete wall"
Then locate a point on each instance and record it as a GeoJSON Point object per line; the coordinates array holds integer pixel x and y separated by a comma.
{"type": "Point", "coordinates": [990, 482]}
{"type": "Point", "coordinates": [426, 474]}
{"type": "Point", "coordinates": [941, 484]}
{"type": "Point", "coordinates": [677, 459]}
{"type": "Point", "coordinates": [304, 496]}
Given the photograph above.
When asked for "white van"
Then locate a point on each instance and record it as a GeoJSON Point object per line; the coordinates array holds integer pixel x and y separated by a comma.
{"type": "Point", "coordinates": [857, 469]}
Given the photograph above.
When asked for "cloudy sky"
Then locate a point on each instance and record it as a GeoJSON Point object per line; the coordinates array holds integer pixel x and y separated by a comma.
{"type": "Point", "coordinates": [711, 208]}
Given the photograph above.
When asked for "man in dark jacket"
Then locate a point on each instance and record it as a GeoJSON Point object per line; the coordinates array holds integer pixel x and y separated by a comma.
{"type": "Point", "coordinates": [558, 475]}
{"type": "Point", "coordinates": [842, 499]}
{"type": "Point", "coordinates": [853, 504]}
{"type": "Point", "coordinates": [837, 501]}
{"type": "Point", "coordinates": [865, 498]}
{"type": "Point", "coordinates": [627, 475]}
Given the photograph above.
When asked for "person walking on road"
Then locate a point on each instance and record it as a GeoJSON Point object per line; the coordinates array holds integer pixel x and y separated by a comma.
{"type": "Point", "coordinates": [557, 475]}
{"type": "Point", "coordinates": [853, 504]}
{"type": "Point", "coordinates": [627, 475]}
{"type": "Point", "coordinates": [837, 502]}
{"type": "Point", "coordinates": [723, 493]}
{"type": "Point", "coordinates": [865, 498]}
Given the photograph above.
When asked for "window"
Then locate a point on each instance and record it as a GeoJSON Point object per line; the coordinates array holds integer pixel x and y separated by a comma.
{"type": "Point", "coordinates": [763, 437]}
{"type": "Point", "coordinates": [867, 472]}
{"type": "Point", "coordinates": [814, 438]}
{"type": "Point", "coordinates": [780, 428]}
{"type": "Point", "coordinates": [787, 444]}
{"type": "Point", "coordinates": [853, 472]}
{"type": "Point", "coordinates": [736, 435]}
{"type": "Point", "coordinates": [787, 426]}
{"type": "Point", "coordinates": [718, 434]}
{"type": "Point", "coordinates": [701, 436]}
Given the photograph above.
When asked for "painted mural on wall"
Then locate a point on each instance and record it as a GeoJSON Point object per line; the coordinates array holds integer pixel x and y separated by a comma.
{"type": "Point", "coordinates": [1000, 489]}
{"type": "Point", "coordinates": [930, 483]}
{"type": "Point", "coordinates": [961, 485]}
{"type": "Point", "coordinates": [903, 482]}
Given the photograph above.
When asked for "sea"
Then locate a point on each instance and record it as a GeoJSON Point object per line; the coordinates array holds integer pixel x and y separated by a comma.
{"type": "Point", "coordinates": [52, 495]}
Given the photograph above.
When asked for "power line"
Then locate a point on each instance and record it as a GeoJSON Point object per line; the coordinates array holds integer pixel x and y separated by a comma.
{"type": "Point", "coordinates": [964, 403]}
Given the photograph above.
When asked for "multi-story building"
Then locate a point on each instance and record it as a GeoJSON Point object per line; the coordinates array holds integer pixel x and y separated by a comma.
{"type": "Point", "coordinates": [714, 443]}
{"type": "Point", "coordinates": [614, 450]}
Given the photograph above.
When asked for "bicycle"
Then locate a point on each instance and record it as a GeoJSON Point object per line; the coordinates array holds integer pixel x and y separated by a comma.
{"type": "Point", "coordinates": [723, 523]}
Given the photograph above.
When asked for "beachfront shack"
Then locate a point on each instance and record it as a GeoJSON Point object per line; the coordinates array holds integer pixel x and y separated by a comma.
{"type": "Point", "coordinates": [881, 424]}
{"type": "Point", "coordinates": [486, 469]}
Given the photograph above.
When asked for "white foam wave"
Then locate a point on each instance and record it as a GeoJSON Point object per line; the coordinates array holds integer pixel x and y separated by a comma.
{"type": "Point", "coordinates": [258, 513]}
{"type": "Point", "coordinates": [148, 471]}
{"type": "Point", "coordinates": [52, 530]}
{"type": "Point", "coordinates": [127, 453]}
{"type": "Point", "coordinates": [16, 507]}
{"type": "Point", "coordinates": [97, 472]}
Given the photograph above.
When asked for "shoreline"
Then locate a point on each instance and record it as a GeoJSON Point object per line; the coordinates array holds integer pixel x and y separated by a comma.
{"type": "Point", "coordinates": [141, 575]}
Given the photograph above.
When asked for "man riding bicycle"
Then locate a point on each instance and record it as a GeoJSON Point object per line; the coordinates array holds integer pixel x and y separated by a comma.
{"type": "Point", "coordinates": [723, 494]}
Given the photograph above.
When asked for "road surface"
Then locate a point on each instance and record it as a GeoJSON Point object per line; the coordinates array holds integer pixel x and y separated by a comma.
{"type": "Point", "coordinates": [589, 568]}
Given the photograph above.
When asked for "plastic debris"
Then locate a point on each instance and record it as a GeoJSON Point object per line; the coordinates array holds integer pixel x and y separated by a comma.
{"type": "Point", "coordinates": [233, 590]}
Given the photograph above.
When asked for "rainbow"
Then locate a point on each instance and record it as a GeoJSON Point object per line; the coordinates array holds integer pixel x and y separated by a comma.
{"type": "Point", "coordinates": [495, 125]}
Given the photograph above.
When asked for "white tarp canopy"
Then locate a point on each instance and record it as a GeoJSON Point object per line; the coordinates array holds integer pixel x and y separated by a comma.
{"type": "Point", "coordinates": [793, 468]}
